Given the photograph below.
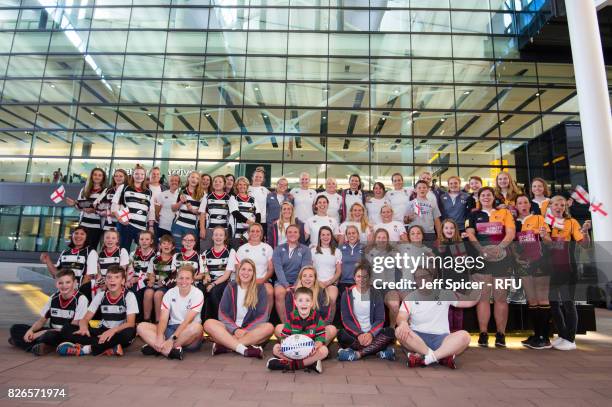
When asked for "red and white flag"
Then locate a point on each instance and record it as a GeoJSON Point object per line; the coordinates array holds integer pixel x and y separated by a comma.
{"type": "Point", "coordinates": [553, 221]}
{"type": "Point", "coordinates": [141, 281]}
{"type": "Point", "coordinates": [580, 195]}
{"type": "Point", "coordinates": [417, 208]}
{"type": "Point", "coordinates": [123, 215]}
{"type": "Point", "coordinates": [58, 195]}
{"type": "Point", "coordinates": [597, 207]}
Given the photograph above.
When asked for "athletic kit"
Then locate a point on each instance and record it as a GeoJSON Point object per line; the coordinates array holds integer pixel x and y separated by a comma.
{"type": "Point", "coordinates": [184, 217]}
{"type": "Point", "coordinates": [81, 261]}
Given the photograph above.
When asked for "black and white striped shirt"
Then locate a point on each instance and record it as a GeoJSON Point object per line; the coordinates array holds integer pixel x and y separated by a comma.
{"type": "Point", "coordinates": [181, 259]}
{"type": "Point", "coordinates": [113, 311]}
{"type": "Point", "coordinates": [216, 262]}
{"type": "Point", "coordinates": [118, 257]}
{"type": "Point", "coordinates": [140, 262]}
{"type": "Point", "coordinates": [216, 208]}
{"type": "Point", "coordinates": [104, 203]}
{"type": "Point", "coordinates": [62, 312]}
{"type": "Point", "coordinates": [140, 204]}
{"type": "Point", "coordinates": [80, 261]}
{"type": "Point", "coordinates": [184, 217]}
{"type": "Point", "coordinates": [247, 208]}
{"type": "Point", "coordinates": [89, 220]}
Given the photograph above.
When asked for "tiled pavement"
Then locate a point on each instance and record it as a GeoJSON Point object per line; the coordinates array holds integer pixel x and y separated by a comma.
{"type": "Point", "coordinates": [485, 377]}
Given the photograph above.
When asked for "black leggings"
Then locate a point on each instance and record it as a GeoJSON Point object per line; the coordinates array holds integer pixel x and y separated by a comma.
{"type": "Point", "coordinates": [564, 313]}
{"type": "Point", "coordinates": [384, 338]}
{"type": "Point", "coordinates": [51, 337]}
{"type": "Point", "coordinates": [213, 298]}
{"type": "Point", "coordinates": [123, 338]}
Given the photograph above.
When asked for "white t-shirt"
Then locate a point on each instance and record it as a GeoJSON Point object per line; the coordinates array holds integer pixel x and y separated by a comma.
{"type": "Point", "coordinates": [314, 223]}
{"type": "Point", "coordinates": [241, 310]}
{"type": "Point", "coordinates": [325, 262]}
{"type": "Point", "coordinates": [398, 199]}
{"type": "Point", "coordinates": [350, 199]}
{"type": "Point", "coordinates": [261, 195]}
{"type": "Point", "coordinates": [363, 234]}
{"type": "Point", "coordinates": [373, 205]}
{"type": "Point", "coordinates": [260, 254]}
{"type": "Point", "coordinates": [361, 308]}
{"type": "Point", "coordinates": [179, 306]}
{"type": "Point", "coordinates": [302, 202]}
{"type": "Point", "coordinates": [131, 307]}
{"type": "Point", "coordinates": [428, 316]}
{"type": "Point", "coordinates": [166, 199]}
{"type": "Point", "coordinates": [335, 203]}
{"type": "Point", "coordinates": [395, 229]}
{"type": "Point", "coordinates": [282, 238]}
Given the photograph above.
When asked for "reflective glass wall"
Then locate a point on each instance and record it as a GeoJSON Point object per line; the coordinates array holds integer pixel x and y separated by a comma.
{"type": "Point", "coordinates": [326, 86]}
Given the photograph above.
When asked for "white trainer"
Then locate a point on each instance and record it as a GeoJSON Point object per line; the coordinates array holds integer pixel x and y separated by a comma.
{"type": "Point", "coordinates": [565, 345]}
{"type": "Point", "coordinates": [557, 341]}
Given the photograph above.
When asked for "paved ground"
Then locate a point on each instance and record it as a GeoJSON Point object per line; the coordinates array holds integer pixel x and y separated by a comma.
{"type": "Point", "coordinates": [487, 377]}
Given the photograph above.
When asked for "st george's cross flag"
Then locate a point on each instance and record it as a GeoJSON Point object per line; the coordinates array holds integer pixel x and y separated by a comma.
{"type": "Point", "coordinates": [580, 195]}
{"type": "Point", "coordinates": [417, 208]}
{"type": "Point", "coordinates": [124, 215]}
{"type": "Point", "coordinates": [58, 195]}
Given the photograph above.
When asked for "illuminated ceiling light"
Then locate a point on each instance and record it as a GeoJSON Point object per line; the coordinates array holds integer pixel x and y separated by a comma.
{"type": "Point", "coordinates": [92, 113]}
{"type": "Point", "coordinates": [467, 92]}
{"type": "Point", "coordinates": [325, 90]}
{"type": "Point", "coordinates": [324, 117]}
{"type": "Point", "coordinates": [442, 119]}
{"type": "Point", "coordinates": [415, 111]}
{"type": "Point", "coordinates": [52, 85]}
{"type": "Point", "coordinates": [149, 114]}
{"type": "Point", "coordinates": [383, 118]}
{"type": "Point", "coordinates": [396, 91]}
{"type": "Point", "coordinates": [538, 94]}
{"type": "Point", "coordinates": [256, 88]}
{"type": "Point", "coordinates": [503, 121]}
{"type": "Point", "coordinates": [265, 116]}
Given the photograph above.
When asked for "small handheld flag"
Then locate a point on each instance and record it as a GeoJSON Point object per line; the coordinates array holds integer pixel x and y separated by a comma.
{"type": "Point", "coordinates": [580, 195]}
{"type": "Point", "coordinates": [417, 208]}
{"type": "Point", "coordinates": [58, 195]}
{"type": "Point", "coordinates": [124, 215]}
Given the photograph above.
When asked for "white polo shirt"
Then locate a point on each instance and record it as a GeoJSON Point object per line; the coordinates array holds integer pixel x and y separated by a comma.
{"type": "Point", "coordinates": [179, 306]}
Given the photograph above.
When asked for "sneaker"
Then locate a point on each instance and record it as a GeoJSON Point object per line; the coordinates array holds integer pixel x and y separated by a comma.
{"type": "Point", "coordinates": [218, 349]}
{"type": "Point", "coordinates": [500, 340]}
{"type": "Point", "coordinates": [277, 364]}
{"type": "Point", "coordinates": [41, 349]}
{"type": "Point", "coordinates": [69, 349]}
{"type": "Point", "coordinates": [565, 345]}
{"type": "Point", "coordinates": [539, 343]}
{"type": "Point", "coordinates": [448, 361]}
{"type": "Point", "coordinates": [176, 353]}
{"type": "Point", "coordinates": [148, 350]}
{"type": "Point", "coordinates": [527, 342]}
{"type": "Point", "coordinates": [254, 352]}
{"type": "Point", "coordinates": [315, 367]}
{"type": "Point", "coordinates": [11, 341]}
{"type": "Point", "coordinates": [557, 341]}
{"type": "Point", "coordinates": [387, 354]}
{"type": "Point", "coordinates": [116, 350]}
{"type": "Point", "coordinates": [347, 355]}
{"type": "Point", "coordinates": [483, 340]}
{"type": "Point", "coordinates": [415, 360]}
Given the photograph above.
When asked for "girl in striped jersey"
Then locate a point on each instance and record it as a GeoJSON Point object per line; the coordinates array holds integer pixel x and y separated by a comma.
{"type": "Point", "coordinates": [110, 255]}
{"type": "Point", "coordinates": [215, 211]}
{"type": "Point", "coordinates": [137, 198]}
{"type": "Point", "coordinates": [215, 261]}
{"type": "Point", "coordinates": [189, 256]}
{"type": "Point", "coordinates": [243, 212]}
{"type": "Point", "coordinates": [139, 266]}
{"type": "Point", "coordinates": [79, 258]}
{"type": "Point", "coordinates": [89, 218]}
{"type": "Point", "coordinates": [160, 278]}
{"type": "Point", "coordinates": [188, 206]}
{"type": "Point", "coordinates": [104, 202]}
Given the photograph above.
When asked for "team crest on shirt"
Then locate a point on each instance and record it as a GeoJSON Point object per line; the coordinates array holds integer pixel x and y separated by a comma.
{"type": "Point", "coordinates": [314, 221]}
{"type": "Point", "coordinates": [246, 250]}
{"type": "Point", "coordinates": [143, 201]}
{"type": "Point", "coordinates": [139, 212]}
{"type": "Point", "coordinates": [263, 250]}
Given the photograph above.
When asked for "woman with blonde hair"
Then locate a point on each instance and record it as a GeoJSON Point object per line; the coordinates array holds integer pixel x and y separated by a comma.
{"type": "Point", "coordinates": [358, 218]}
{"type": "Point", "coordinates": [244, 211]}
{"type": "Point", "coordinates": [188, 209]}
{"type": "Point", "coordinates": [243, 318]}
{"type": "Point", "coordinates": [277, 230]}
{"type": "Point", "coordinates": [506, 191]}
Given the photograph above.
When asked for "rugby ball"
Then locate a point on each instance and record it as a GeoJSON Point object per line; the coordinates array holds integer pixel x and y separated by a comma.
{"type": "Point", "coordinates": [297, 346]}
{"type": "Point", "coordinates": [499, 257]}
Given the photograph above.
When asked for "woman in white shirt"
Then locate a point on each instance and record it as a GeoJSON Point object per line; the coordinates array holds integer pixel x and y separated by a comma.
{"type": "Point", "coordinates": [333, 198]}
{"type": "Point", "coordinates": [327, 260]}
{"type": "Point", "coordinates": [314, 223]}
{"type": "Point", "coordinates": [180, 325]}
{"type": "Point", "coordinates": [376, 202]}
{"type": "Point", "coordinates": [398, 197]}
{"type": "Point", "coordinates": [357, 217]}
{"type": "Point", "coordinates": [303, 198]}
{"type": "Point", "coordinates": [395, 228]}
{"type": "Point", "coordinates": [259, 192]}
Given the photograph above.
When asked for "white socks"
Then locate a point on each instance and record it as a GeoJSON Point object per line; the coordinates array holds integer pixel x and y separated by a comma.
{"type": "Point", "coordinates": [86, 349]}
{"type": "Point", "coordinates": [430, 357]}
{"type": "Point", "coordinates": [241, 349]}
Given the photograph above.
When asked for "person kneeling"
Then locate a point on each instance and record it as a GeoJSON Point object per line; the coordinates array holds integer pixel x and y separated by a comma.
{"type": "Point", "coordinates": [117, 309]}
{"type": "Point", "coordinates": [423, 327]}
{"type": "Point", "coordinates": [303, 321]}
{"type": "Point", "coordinates": [243, 317]}
{"type": "Point", "coordinates": [66, 307]}
{"type": "Point", "coordinates": [363, 316]}
{"type": "Point", "coordinates": [180, 325]}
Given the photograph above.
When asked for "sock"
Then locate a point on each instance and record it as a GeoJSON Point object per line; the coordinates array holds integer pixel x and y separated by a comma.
{"type": "Point", "coordinates": [296, 364]}
{"type": "Point", "coordinates": [241, 349]}
{"type": "Point", "coordinates": [430, 357]}
{"type": "Point", "coordinates": [86, 349]}
{"type": "Point", "coordinates": [545, 321]}
{"type": "Point", "coordinates": [533, 312]}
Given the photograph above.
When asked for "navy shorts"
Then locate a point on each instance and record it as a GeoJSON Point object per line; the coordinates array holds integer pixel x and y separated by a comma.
{"type": "Point", "coordinates": [433, 341]}
{"type": "Point", "coordinates": [192, 347]}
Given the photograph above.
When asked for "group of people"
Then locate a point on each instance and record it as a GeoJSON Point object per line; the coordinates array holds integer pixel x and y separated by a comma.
{"type": "Point", "coordinates": [219, 255]}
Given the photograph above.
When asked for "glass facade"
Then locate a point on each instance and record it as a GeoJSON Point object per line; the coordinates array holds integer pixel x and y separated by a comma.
{"type": "Point", "coordinates": [331, 87]}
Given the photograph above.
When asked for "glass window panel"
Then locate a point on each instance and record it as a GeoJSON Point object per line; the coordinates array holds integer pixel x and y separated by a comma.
{"type": "Point", "coordinates": [550, 74]}
{"type": "Point", "coordinates": [348, 149]}
{"type": "Point", "coordinates": [266, 68]}
{"type": "Point", "coordinates": [218, 147]}
{"type": "Point", "coordinates": [516, 98]}
{"type": "Point", "coordinates": [28, 231]}
{"type": "Point", "coordinates": [307, 43]}
{"type": "Point", "coordinates": [568, 104]}
{"type": "Point", "coordinates": [472, 46]}
{"type": "Point", "coordinates": [308, 19]}
{"type": "Point", "coordinates": [107, 65]}
{"type": "Point", "coordinates": [475, 97]}
{"type": "Point", "coordinates": [392, 150]}
{"type": "Point", "coordinates": [509, 150]}
{"type": "Point", "coordinates": [292, 172]}
{"type": "Point", "coordinates": [471, 22]}
{"type": "Point", "coordinates": [303, 148]}
{"type": "Point", "coordinates": [116, 17]}
{"type": "Point", "coordinates": [93, 145]}
{"type": "Point", "coordinates": [306, 121]}
{"type": "Point", "coordinates": [146, 91]}
{"type": "Point", "coordinates": [397, 45]}
{"type": "Point", "coordinates": [147, 41]}
{"type": "Point", "coordinates": [474, 71]}
{"type": "Point", "coordinates": [59, 91]}
{"type": "Point", "coordinates": [523, 125]}
{"type": "Point", "coordinates": [229, 18]}
{"type": "Point", "coordinates": [306, 94]}
{"type": "Point", "coordinates": [79, 17]}
{"type": "Point", "coordinates": [263, 121]}
{"type": "Point", "coordinates": [430, 21]}
{"type": "Point", "coordinates": [133, 145]}
{"type": "Point", "coordinates": [428, 4]}
{"type": "Point", "coordinates": [14, 117]}
{"type": "Point", "coordinates": [424, 45]}
{"type": "Point", "coordinates": [265, 94]}
{"type": "Point", "coordinates": [8, 19]}
{"type": "Point", "coordinates": [506, 47]}
{"type": "Point", "coordinates": [143, 66]}
{"type": "Point", "coordinates": [64, 65]}
{"type": "Point", "coordinates": [434, 124]}
{"type": "Point", "coordinates": [426, 70]}
{"type": "Point", "coordinates": [226, 42]}
{"type": "Point", "coordinates": [181, 118]}
{"type": "Point", "coordinates": [391, 96]}
{"type": "Point", "coordinates": [189, 18]}
{"type": "Point", "coordinates": [433, 97]}
{"type": "Point", "coordinates": [34, 19]}
{"type": "Point", "coordinates": [4, 59]}
{"type": "Point", "coordinates": [58, 117]}
{"type": "Point", "coordinates": [129, 164]}
{"type": "Point", "coordinates": [97, 91]}
{"type": "Point", "coordinates": [180, 168]}
{"type": "Point", "coordinates": [178, 146]}
{"type": "Point", "coordinates": [107, 41]}
{"type": "Point", "coordinates": [390, 20]}
{"type": "Point", "coordinates": [383, 173]}
{"type": "Point", "coordinates": [182, 92]}
{"type": "Point", "coordinates": [31, 42]}
{"type": "Point", "coordinates": [81, 168]}
{"type": "Point", "coordinates": [437, 153]}
{"type": "Point", "coordinates": [268, 18]}
{"type": "Point", "coordinates": [13, 169]}
{"type": "Point", "coordinates": [345, 69]}
{"type": "Point", "coordinates": [222, 120]}
{"type": "Point", "coordinates": [549, 121]}
{"type": "Point", "coordinates": [348, 44]}
{"type": "Point", "coordinates": [307, 69]}
{"type": "Point", "coordinates": [96, 117]}
{"type": "Point", "coordinates": [41, 169]}
{"type": "Point", "coordinates": [267, 43]}
{"type": "Point", "coordinates": [348, 122]}
{"type": "Point", "coordinates": [348, 20]}
{"type": "Point", "coordinates": [391, 123]}
{"type": "Point", "coordinates": [349, 95]}
{"type": "Point", "coordinates": [29, 65]}
{"type": "Point", "coordinates": [394, 70]}
{"type": "Point", "coordinates": [15, 142]}
{"type": "Point", "coordinates": [477, 124]}
{"type": "Point", "coordinates": [186, 42]}
{"type": "Point", "coordinates": [138, 118]}
{"type": "Point", "coordinates": [49, 232]}
{"type": "Point", "coordinates": [54, 143]}
{"type": "Point", "coordinates": [6, 41]}
{"type": "Point", "coordinates": [155, 17]}
{"type": "Point", "coordinates": [185, 67]}
{"type": "Point", "coordinates": [261, 148]}
{"type": "Point", "coordinates": [222, 67]}
{"type": "Point", "coordinates": [503, 23]}
{"type": "Point", "coordinates": [223, 93]}
{"type": "Point", "coordinates": [478, 152]}
{"type": "Point", "coordinates": [516, 72]}
{"type": "Point", "coordinates": [341, 173]}
{"type": "Point", "coordinates": [469, 4]}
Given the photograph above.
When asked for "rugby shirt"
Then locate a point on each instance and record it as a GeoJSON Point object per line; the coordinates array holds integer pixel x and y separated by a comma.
{"type": "Point", "coordinates": [184, 217]}
{"type": "Point", "coordinates": [62, 312]}
{"type": "Point", "coordinates": [216, 207]}
{"type": "Point", "coordinates": [312, 326]}
{"type": "Point", "coordinates": [80, 261]}
{"type": "Point", "coordinates": [89, 220]}
{"type": "Point", "coordinates": [140, 204]}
